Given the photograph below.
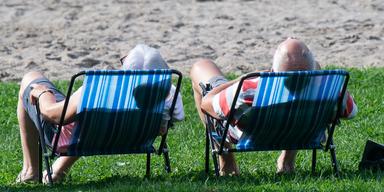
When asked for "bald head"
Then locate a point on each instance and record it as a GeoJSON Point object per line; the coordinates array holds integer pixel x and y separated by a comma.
{"type": "Point", "coordinates": [291, 55]}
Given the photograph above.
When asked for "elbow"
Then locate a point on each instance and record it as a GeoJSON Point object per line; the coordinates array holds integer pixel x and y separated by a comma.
{"type": "Point", "coordinates": [350, 114]}
{"type": "Point", "coordinates": [180, 118]}
{"type": "Point", "coordinates": [353, 113]}
{"type": "Point", "coordinates": [206, 104]}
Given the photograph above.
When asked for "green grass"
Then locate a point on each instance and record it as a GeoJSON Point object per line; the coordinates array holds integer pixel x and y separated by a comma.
{"type": "Point", "coordinates": [186, 141]}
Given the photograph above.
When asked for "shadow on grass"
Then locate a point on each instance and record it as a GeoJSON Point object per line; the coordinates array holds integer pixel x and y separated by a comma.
{"type": "Point", "coordinates": [197, 180]}
{"type": "Point", "coordinates": [71, 184]}
{"type": "Point", "coordinates": [363, 175]}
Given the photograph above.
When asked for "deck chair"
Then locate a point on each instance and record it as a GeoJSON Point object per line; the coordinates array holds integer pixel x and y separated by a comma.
{"type": "Point", "coordinates": [291, 111]}
{"type": "Point", "coordinates": [120, 113]}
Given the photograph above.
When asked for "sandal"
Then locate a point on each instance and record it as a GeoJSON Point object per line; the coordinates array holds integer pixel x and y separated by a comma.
{"type": "Point", "coordinates": [21, 179]}
{"type": "Point", "coordinates": [56, 177]}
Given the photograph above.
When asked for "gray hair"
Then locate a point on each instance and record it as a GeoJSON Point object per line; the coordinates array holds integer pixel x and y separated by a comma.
{"type": "Point", "coordinates": [143, 57]}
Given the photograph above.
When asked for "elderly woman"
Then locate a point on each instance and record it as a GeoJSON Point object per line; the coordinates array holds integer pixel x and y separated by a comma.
{"type": "Point", "coordinates": [51, 101]}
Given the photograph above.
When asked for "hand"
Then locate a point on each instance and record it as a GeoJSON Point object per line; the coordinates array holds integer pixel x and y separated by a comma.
{"type": "Point", "coordinates": [37, 89]}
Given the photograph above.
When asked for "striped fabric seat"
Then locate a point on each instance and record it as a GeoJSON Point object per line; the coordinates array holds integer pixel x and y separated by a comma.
{"type": "Point", "coordinates": [120, 112]}
{"type": "Point", "coordinates": [290, 111]}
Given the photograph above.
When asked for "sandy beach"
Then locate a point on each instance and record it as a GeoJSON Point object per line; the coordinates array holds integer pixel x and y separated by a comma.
{"type": "Point", "coordinates": [62, 37]}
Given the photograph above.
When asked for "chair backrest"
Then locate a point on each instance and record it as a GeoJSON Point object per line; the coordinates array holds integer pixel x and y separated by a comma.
{"type": "Point", "coordinates": [120, 112]}
{"type": "Point", "coordinates": [291, 110]}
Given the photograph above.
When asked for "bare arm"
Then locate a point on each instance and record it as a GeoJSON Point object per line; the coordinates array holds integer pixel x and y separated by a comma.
{"type": "Point", "coordinates": [206, 103]}
{"type": "Point", "coordinates": [50, 109]}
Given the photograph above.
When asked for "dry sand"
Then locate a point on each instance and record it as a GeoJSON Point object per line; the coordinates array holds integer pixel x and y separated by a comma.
{"type": "Point", "coordinates": [62, 37]}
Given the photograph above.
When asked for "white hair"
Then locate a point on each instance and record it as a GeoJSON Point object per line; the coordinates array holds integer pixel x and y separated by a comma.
{"type": "Point", "coordinates": [144, 57]}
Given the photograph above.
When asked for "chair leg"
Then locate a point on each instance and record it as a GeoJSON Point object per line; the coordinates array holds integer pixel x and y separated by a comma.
{"type": "Point", "coordinates": [206, 151]}
{"type": "Point", "coordinates": [166, 159]}
{"type": "Point", "coordinates": [43, 150]}
{"type": "Point", "coordinates": [148, 167]}
{"type": "Point", "coordinates": [215, 164]}
{"type": "Point", "coordinates": [334, 161]}
{"type": "Point", "coordinates": [40, 164]}
{"type": "Point", "coordinates": [49, 171]}
{"type": "Point", "coordinates": [45, 154]}
{"type": "Point", "coordinates": [313, 161]}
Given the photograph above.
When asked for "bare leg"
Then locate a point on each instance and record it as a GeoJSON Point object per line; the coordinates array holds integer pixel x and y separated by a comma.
{"type": "Point", "coordinates": [28, 134]}
{"type": "Point", "coordinates": [29, 139]}
{"type": "Point", "coordinates": [60, 168]}
{"type": "Point", "coordinates": [286, 161]}
{"type": "Point", "coordinates": [202, 71]}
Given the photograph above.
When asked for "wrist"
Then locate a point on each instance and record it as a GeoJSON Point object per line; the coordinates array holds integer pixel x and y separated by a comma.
{"type": "Point", "coordinates": [44, 92]}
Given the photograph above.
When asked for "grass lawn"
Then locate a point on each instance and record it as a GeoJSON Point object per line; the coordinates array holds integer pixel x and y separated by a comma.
{"type": "Point", "coordinates": [186, 141]}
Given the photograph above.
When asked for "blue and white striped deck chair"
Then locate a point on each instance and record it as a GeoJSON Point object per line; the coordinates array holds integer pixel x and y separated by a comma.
{"type": "Point", "coordinates": [120, 112]}
{"type": "Point", "coordinates": [291, 111]}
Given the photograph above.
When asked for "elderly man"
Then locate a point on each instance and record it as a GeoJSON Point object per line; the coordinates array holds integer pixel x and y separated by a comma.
{"type": "Point", "coordinates": [291, 54]}
{"type": "Point", "coordinates": [35, 86]}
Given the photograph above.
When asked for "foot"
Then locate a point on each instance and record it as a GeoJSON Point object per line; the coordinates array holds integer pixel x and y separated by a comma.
{"type": "Point", "coordinates": [286, 162]}
{"type": "Point", "coordinates": [285, 168]}
{"type": "Point", "coordinates": [232, 171]}
{"type": "Point", "coordinates": [56, 177]}
{"type": "Point", "coordinates": [26, 178]}
{"type": "Point", "coordinates": [228, 166]}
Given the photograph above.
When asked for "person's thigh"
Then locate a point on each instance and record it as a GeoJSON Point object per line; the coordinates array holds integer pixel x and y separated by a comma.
{"type": "Point", "coordinates": [27, 79]}
{"type": "Point", "coordinates": [27, 104]}
{"type": "Point", "coordinates": [31, 109]}
{"type": "Point", "coordinates": [203, 71]}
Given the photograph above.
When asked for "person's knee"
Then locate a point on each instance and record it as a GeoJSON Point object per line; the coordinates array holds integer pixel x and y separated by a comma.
{"type": "Point", "coordinates": [27, 79]}
{"type": "Point", "coordinates": [203, 70]}
{"type": "Point", "coordinates": [30, 76]}
{"type": "Point", "coordinates": [199, 66]}
{"type": "Point", "coordinates": [197, 69]}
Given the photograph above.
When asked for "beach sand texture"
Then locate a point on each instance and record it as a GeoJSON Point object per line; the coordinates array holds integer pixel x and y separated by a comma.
{"type": "Point", "coordinates": [63, 37]}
